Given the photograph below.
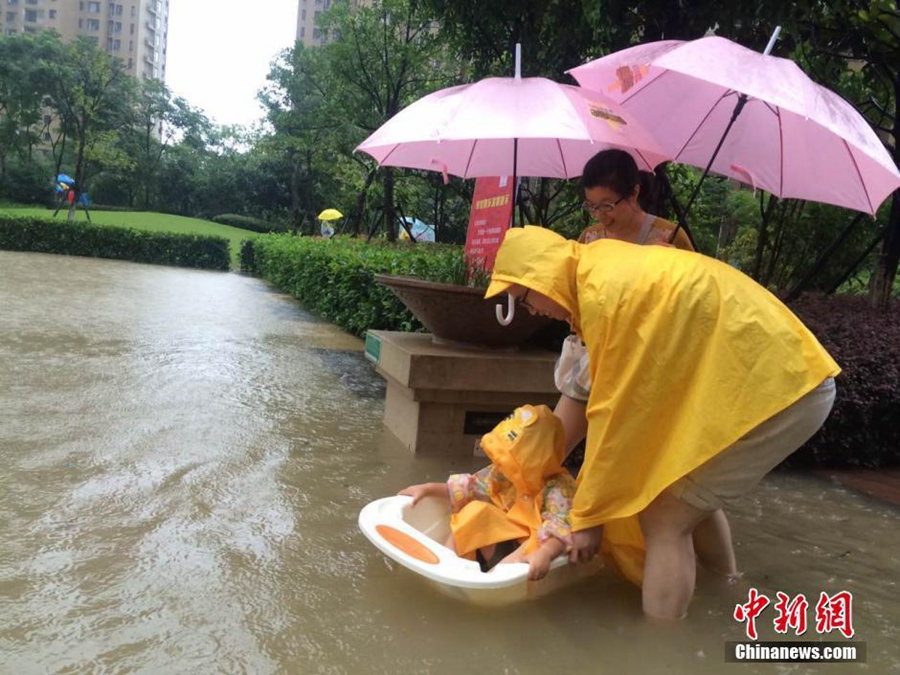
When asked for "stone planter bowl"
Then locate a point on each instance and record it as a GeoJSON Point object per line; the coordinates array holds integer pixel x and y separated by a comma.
{"type": "Point", "coordinates": [459, 314]}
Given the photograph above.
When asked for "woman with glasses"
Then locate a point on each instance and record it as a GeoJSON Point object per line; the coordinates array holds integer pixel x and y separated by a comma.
{"type": "Point", "coordinates": [613, 193]}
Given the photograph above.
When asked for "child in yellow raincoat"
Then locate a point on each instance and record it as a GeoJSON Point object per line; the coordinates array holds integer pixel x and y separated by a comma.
{"type": "Point", "coordinates": [523, 496]}
{"type": "Point", "coordinates": [702, 382]}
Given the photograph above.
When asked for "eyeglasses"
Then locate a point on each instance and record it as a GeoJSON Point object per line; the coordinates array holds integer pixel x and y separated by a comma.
{"type": "Point", "coordinates": [594, 209]}
{"type": "Point", "coordinates": [523, 302]}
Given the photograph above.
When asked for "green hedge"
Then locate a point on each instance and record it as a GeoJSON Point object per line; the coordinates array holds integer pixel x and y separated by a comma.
{"type": "Point", "coordinates": [120, 243]}
{"type": "Point", "coordinates": [247, 223]}
{"type": "Point", "coordinates": [335, 277]}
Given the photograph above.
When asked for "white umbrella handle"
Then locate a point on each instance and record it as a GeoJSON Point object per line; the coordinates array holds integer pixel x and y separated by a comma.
{"type": "Point", "coordinates": [510, 309]}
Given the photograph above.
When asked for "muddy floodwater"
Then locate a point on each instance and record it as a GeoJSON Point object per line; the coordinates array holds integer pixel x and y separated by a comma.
{"type": "Point", "coordinates": [184, 455]}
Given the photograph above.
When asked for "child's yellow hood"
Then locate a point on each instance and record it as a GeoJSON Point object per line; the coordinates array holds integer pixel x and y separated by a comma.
{"type": "Point", "coordinates": [527, 459]}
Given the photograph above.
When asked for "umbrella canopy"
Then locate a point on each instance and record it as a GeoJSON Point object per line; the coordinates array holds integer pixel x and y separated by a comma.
{"type": "Point", "coordinates": [506, 126]}
{"type": "Point", "coordinates": [794, 138]}
{"type": "Point", "coordinates": [330, 214]}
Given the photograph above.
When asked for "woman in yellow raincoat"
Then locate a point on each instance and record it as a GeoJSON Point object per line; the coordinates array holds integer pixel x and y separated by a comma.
{"type": "Point", "coordinates": [522, 497]}
{"type": "Point", "coordinates": [702, 382]}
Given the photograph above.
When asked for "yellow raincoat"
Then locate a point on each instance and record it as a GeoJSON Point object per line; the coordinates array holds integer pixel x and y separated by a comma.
{"type": "Point", "coordinates": [687, 355]}
{"type": "Point", "coordinates": [527, 449]}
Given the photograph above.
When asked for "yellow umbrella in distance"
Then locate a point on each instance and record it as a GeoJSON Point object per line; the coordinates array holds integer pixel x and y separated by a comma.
{"type": "Point", "coordinates": [330, 214]}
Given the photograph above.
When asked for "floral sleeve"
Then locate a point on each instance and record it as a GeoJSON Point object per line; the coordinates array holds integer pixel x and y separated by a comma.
{"type": "Point", "coordinates": [558, 494]}
{"type": "Point", "coordinates": [467, 487]}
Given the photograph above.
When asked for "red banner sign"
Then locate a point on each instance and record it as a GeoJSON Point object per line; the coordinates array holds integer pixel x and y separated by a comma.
{"type": "Point", "coordinates": [489, 220]}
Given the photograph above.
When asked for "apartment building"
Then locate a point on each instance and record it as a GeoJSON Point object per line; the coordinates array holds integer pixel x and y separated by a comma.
{"type": "Point", "coordinates": [132, 30]}
{"type": "Point", "coordinates": [308, 12]}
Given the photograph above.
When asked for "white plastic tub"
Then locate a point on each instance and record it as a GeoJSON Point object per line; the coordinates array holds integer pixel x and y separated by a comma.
{"type": "Point", "coordinates": [413, 536]}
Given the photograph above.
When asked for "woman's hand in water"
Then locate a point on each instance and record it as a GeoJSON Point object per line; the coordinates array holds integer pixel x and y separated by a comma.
{"type": "Point", "coordinates": [585, 544]}
{"type": "Point", "coordinates": [426, 490]}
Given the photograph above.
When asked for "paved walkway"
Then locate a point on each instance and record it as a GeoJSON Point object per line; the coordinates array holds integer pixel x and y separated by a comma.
{"type": "Point", "coordinates": [883, 484]}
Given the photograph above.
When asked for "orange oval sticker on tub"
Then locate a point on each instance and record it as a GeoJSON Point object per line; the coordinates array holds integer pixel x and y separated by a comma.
{"type": "Point", "coordinates": [407, 544]}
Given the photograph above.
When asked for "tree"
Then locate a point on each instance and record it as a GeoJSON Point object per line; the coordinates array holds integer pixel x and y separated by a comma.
{"type": "Point", "coordinates": [857, 45]}
{"type": "Point", "coordinates": [26, 65]}
{"type": "Point", "coordinates": [383, 57]}
{"type": "Point", "coordinates": [93, 95]}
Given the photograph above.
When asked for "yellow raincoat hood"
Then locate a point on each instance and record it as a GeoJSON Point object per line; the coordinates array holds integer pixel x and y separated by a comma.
{"type": "Point", "coordinates": [686, 355]}
{"type": "Point", "coordinates": [528, 448]}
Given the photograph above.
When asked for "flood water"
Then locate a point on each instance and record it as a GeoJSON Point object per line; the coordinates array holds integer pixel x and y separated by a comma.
{"type": "Point", "coordinates": [184, 455]}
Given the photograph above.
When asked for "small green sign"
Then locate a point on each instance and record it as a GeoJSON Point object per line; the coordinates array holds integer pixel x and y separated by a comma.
{"type": "Point", "coordinates": [373, 348]}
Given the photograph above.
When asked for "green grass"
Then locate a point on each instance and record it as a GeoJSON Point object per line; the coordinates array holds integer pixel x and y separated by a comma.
{"type": "Point", "coordinates": [153, 222]}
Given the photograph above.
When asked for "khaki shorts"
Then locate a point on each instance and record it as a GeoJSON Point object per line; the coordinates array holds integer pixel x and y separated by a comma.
{"type": "Point", "coordinates": [737, 469]}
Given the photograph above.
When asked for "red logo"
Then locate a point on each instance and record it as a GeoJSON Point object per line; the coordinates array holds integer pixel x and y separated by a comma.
{"type": "Point", "coordinates": [833, 613]}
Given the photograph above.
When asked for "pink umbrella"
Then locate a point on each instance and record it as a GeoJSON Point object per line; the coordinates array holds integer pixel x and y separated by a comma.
{"type": "Point", "coordinates": [793, 138]}
{"type": "Point", "coordinates": [509, 126]}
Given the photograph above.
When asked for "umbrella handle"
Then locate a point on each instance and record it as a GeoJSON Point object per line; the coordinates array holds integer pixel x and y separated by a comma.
{"type": "Point", "coordinates": [510, 309]}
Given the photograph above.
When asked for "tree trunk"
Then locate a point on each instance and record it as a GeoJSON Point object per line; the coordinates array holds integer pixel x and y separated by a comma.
{"type": "Point", "coordinates": [762, 235]}
{"type": "Point", "coordinates": [359, 211]}
{"type": "Point", "coordinates": [390, 213]}
{"type": "Point", "coordinates": [295, 194]}
{"type": "Point", "coordinates": [882, 282]}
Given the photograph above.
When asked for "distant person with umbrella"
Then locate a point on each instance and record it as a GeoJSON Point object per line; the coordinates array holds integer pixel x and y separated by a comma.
{"type": "Point", "coordinates": [701, 383]}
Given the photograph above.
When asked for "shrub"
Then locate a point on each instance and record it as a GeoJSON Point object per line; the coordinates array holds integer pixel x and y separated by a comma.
{"type": "Point", "coordinates": [120, 243]}
{"type": "Point", "coordinates": [863, 428]}
{"type": "Point", "coordinates": [247, 223]}
{"type": "Point", "coordinates": [335, 277]}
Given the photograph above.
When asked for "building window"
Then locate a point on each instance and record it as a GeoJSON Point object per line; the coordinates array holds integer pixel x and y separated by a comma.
{"type": "Point", "coordinates": [316, 33]}
{"type": "Point", "coordinates": [80, 6]}
{"type": "Point", "coordinates": [303, 31]}
{"type": "Point", "coordinates": [52, 13]}
{"type": "Point", "coordinates": [31, 15]}
{"type": "Point", "coordinates": [118, 10]}
{"type": "Point", "coordinates": [31, 2]}
{"type": "Point", "coordinates": [93, 7]}
{"type": "Point", "coordinates": [132, 29]}
{"type": "Point", "coordinates": [133, 11]}
{"type": "Point", "coordinates": [117, 45]}
{"type": "Point", "coordinates": [93, 24]}
{"type": "Point", "coordinates": [303, 14]}
{"type": "Point", "coordinates": [10, 16]}
{"type": "Point", "coordinates": [94, 39]}
{"type": "Point", "coordinates": [130, 64]}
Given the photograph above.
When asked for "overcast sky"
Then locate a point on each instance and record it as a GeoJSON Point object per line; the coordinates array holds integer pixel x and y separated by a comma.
{"type": "Point", "coordinates": [218, 58]}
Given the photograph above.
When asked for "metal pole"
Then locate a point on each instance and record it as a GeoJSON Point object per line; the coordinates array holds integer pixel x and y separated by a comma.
{"type": "Point", "coordinates": [857, 262]}
{"type": "Point", "coordinates": [795, 292]}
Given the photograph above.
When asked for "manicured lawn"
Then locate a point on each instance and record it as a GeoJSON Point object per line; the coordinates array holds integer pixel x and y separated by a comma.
{"type": "Point", "coordinates": [144, 220]}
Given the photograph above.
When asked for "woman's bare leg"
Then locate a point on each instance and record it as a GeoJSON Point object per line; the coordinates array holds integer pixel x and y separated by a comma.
{"type": "Point", "coordinates": [712, 543]}
{"type": "Point", "coordinates": [670, 567]}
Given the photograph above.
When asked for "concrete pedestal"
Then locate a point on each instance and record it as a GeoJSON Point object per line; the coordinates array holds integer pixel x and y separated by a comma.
{"type": "Point", "coordinates": [442, 399]}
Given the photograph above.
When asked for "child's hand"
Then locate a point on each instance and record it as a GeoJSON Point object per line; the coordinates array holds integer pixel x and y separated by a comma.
{"type": "Point", "coordinates": [425, 490]}
{"type": "Point", "coordinates": [539, 563]}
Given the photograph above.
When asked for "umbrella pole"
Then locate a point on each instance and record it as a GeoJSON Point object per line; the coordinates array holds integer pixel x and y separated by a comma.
{"type": "Point", "coordinates": [515, 180]}
{"type": "Point", "coordinates": [742, 101]}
